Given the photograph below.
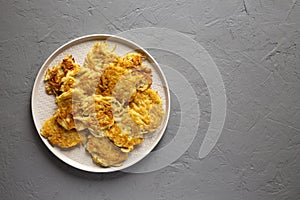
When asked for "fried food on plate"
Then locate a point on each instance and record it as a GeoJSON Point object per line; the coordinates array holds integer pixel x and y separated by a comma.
{"type": "Point", "coordinates": [146, 110]}
{"type": "Point", "coordinates": [122, 138]}
{"type": "Point", "coordinates": [65, 112]}
{"type": "Point", "coordinates": [110, 77]}
{"type": "Point", "coordinates": [94, 113]}
{"type": "Point", "coordinates": [60, 78]}
{"type": "Point", "coordinates": [96, 61]}
{"type": "Point", "coordinates": [139, 78]}
{"type": "Point", "coordinates": [131, 60]}
{"type": "Point", "coordinates": [99, 57]}
{"type": "Point", "coordinates": [104, 152]}
{"type": "Point", "coordinates": [108, 100]}
{"type": "Point", "coordinates": [104, 112]}
{"type": "Point", "coordinates": [59, 136]}
{"type": "Point", "coordinates": [121, 79]}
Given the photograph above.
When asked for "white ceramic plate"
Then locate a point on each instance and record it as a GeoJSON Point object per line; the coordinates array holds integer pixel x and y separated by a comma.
{"type": "Point", "coordinates": [43, 105]}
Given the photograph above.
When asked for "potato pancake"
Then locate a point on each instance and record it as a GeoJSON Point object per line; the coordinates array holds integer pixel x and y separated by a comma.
{"type": "Point", "coordinates": [58, 135]}
{"type": "Point", "coordinates": [146, 110]}
{"type": "Point", "coordinates": [104, 152]}
{"type": "Point", "coordinates": [61, 77]}
{"type": "Point", "coordinates": [107, 104]}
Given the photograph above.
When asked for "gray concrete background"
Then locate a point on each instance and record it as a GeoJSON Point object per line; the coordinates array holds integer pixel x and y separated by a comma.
{"type": "Point", "coordinates": [256, 45]}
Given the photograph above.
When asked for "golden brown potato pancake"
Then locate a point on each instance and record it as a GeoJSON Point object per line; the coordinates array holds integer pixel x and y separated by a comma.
{"type": "Point", "coordinates": [108, 80]}
{"type": "Point", "coordinates": [96, 61]}
{"type": "Point", "coordinates": [146, 110]}
{"type": "Point", "coordinates": [104, 152]}
{"type": "Point", "coordinates": [65, 112]}
{"type": "Point", "coordinates": [104, 112]}
{"type": "Point", "coordinates": [109, 99]}
{"type": "Point", "coordinates": [131, 60]}
{"type": "Point", "coordinates": [139, 78]}
{"type": "Point", "coordinates": [59, 136]}
{"type": "Point", "coordinates": [56, 77]}
{"type": "Point", "coordinates": [99, 56]}
{"type": "Point", "coordinates": [122, 138]}
{"type": "Point", "coordinates": [94, 113]}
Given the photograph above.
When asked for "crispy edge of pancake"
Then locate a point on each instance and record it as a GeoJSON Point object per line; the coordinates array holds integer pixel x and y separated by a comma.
{"type": "Point", "coordinates": [122, 139]}
{"type": "Point", "coordinates": [130, 83]}
{"type": "Point", "coordinates": [104, 152]}
{"type": "Point", "coordinates": [123, 77]}
{"type": "Point", "coordinates": [131, 60]}
{"type": "Point", "coordinates": [55, 75]}
{"type": "Point", "coordinates": [146, 110]}
{"type": "Point", "coordinates": [64, 114]}
{"type": "Point", "coordinates": [108, 80]}
{"type": "Point", "coordinates": [100, 56]}
{"type": "Point", "coordinates": [59, 136]}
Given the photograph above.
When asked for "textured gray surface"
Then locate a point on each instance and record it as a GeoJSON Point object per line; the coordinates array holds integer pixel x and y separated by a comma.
{"type": "Point", "coordinates": [256, 45]}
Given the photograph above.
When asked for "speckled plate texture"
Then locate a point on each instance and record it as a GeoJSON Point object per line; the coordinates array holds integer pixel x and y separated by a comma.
{"type": "Point", "coordinates": [43, 105]}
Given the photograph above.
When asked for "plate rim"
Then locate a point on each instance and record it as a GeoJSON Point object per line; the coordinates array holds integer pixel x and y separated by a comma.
{"type": "Point", "coordinates": [83, 39]}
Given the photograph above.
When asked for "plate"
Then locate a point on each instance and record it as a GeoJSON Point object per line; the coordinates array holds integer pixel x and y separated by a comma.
{"type": "Point", "coordinates": [43, 105]}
